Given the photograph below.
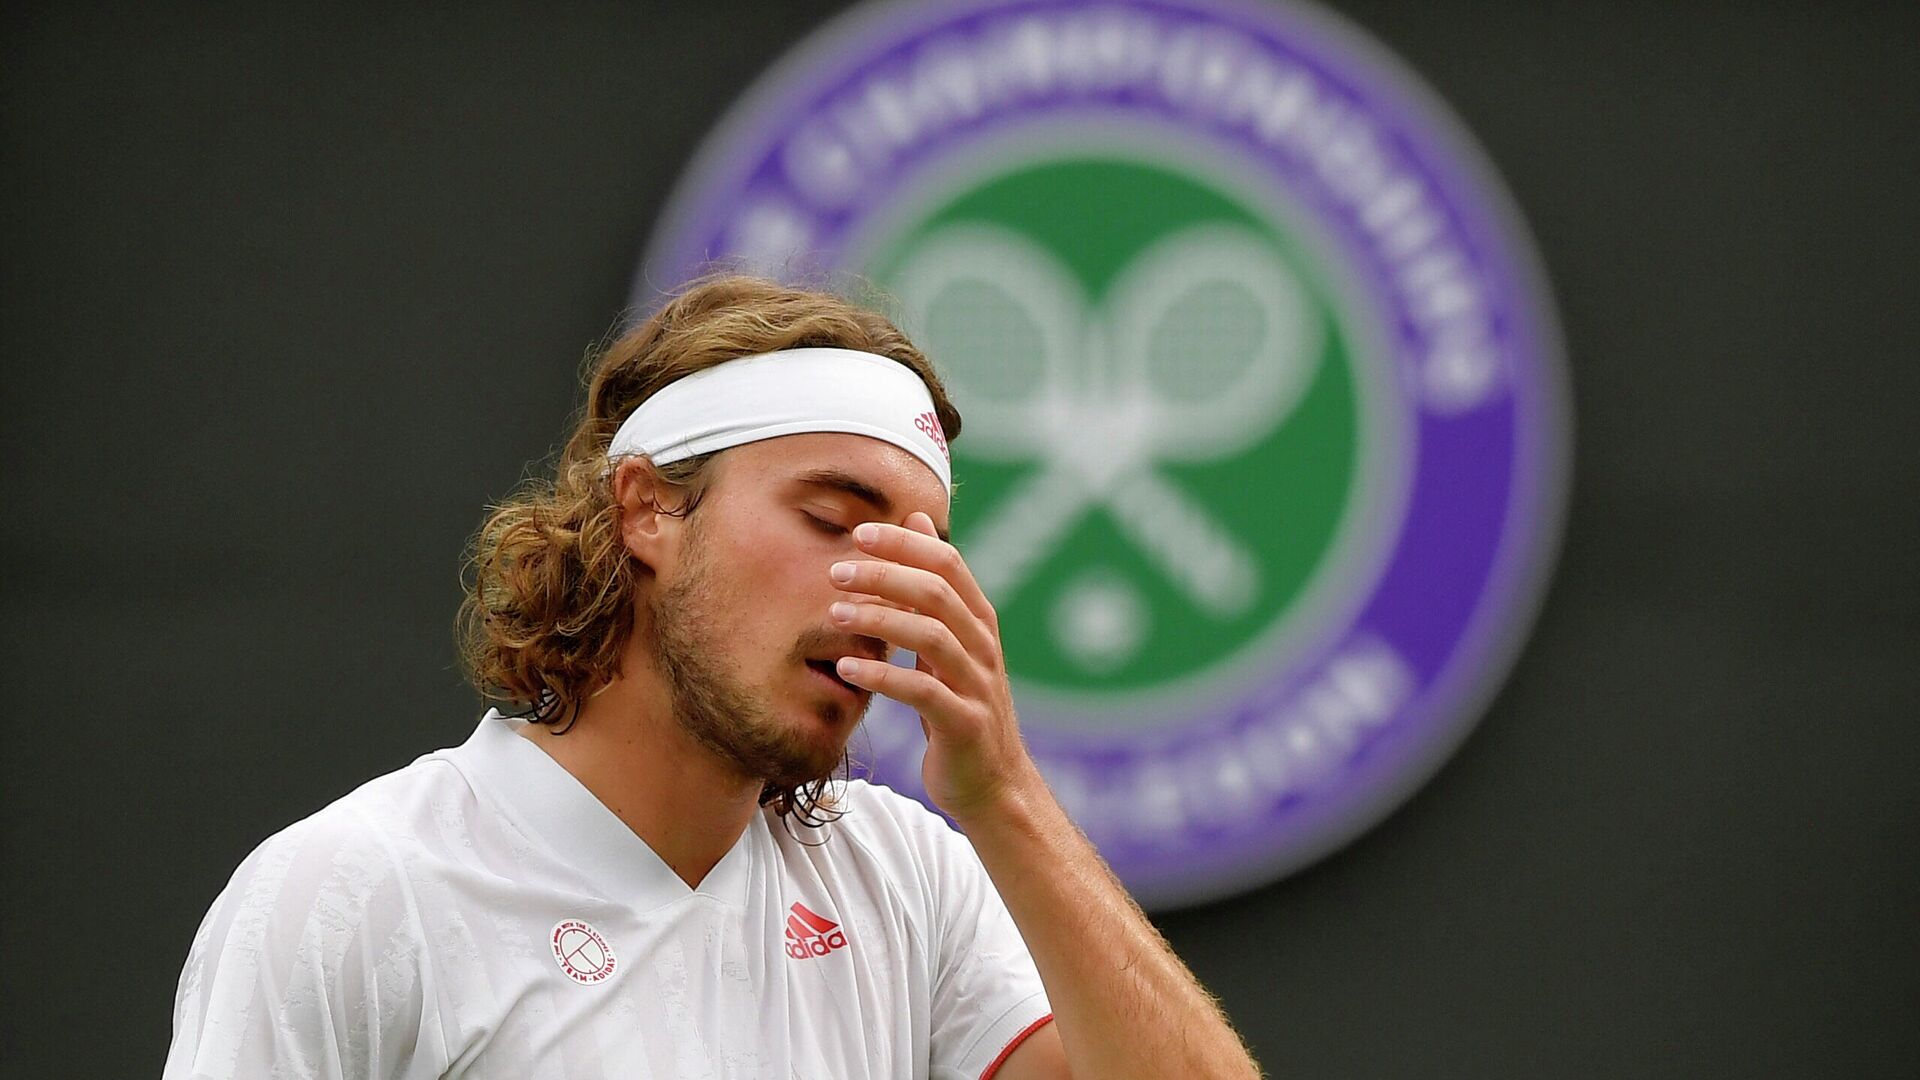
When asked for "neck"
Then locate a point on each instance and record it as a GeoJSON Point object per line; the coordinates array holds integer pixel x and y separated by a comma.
{"type": "Point", "coordinates": [626, 747]}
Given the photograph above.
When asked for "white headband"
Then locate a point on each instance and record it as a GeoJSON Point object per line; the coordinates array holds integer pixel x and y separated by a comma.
{"type": "Point", "coordinates": [787, 393]}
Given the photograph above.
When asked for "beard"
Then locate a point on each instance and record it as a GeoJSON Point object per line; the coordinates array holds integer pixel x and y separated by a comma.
{"type": "Point", "coordinates": [720, 713]}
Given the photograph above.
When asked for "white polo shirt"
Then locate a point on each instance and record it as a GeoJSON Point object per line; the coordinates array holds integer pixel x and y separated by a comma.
{"type": "Point", "coordinates": [480, 914]}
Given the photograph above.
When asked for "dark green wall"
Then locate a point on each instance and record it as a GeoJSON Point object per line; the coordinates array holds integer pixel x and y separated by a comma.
{"type": "Point", "coordinates": [288, 297]}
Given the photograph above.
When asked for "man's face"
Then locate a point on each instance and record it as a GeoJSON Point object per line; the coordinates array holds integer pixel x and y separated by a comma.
{"type": "Point", "coordinates": [741, 631]}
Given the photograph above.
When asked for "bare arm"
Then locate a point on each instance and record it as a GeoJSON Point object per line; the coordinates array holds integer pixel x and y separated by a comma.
{"type": "Point", "coordinates": [1123, 1002]}
{"type": "Point", "coordinates": [1124, 1005]}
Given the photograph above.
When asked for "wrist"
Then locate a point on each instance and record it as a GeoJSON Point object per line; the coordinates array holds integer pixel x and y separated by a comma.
{"type": "Point", "coordinates": [1020, 800]}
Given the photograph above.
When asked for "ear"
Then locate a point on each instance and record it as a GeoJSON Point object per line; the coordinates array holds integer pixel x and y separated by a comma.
{"type": "Point", "coordinates": [648, 533]}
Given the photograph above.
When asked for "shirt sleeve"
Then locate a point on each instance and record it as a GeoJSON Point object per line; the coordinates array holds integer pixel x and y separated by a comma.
{"type": "Point", "coordinates": [987, 995]}
{"type": "Point", "coordinates": [309, 966]}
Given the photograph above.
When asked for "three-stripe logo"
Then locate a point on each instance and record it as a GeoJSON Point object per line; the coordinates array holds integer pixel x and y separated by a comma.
{"type": "Point", "coordinates": [810, 935]}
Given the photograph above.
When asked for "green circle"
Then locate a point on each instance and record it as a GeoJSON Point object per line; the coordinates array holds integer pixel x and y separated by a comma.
{"type": "Point", "coordinates": [1282, 500]}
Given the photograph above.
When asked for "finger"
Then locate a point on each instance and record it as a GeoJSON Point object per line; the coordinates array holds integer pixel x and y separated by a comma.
{"type": "Point", "coordinates": [934, 700]}
{"type": "Point", "coordinates": [913, 589]}
{"type": "Point", "coordinates": [931, 553]}
{"type": "Point", "coordinates": [927, 637]}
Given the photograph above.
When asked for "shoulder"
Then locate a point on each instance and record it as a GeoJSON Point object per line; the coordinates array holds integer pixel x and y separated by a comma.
{"type": "Point", "coordinates": [407, 813]}
{"type": "Point", "coordinates": [867, 828]}
{"type": "Point", "coordinates": [356, 857]}
{"type": "Point", "coordinates": [877, 812]}
{"type": "Point", "coordinates": [333, 888]}
{"type": "Point", "coordinates": [320, 923]}
{"type": "Point", "coordinates": [899, 837]}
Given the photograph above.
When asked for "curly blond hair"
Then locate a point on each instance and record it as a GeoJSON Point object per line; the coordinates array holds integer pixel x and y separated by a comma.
{"type": "Point", "coordinates": [551, 589]}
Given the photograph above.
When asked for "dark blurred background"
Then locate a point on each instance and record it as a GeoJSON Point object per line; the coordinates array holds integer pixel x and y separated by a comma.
{"type": "Point", "coordinates": [290, 294]}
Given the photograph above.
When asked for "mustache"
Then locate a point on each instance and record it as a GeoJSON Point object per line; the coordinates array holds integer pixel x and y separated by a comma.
{"type": "Point", "coordinates": [821, 644]}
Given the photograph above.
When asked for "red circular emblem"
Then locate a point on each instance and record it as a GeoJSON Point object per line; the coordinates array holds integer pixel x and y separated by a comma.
{"type": "Point", "coordinates": [582, 953]}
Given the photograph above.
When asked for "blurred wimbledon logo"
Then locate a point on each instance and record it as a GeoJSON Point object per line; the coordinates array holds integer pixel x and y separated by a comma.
{"type": "Point", "coordinates": [1264, 447]}
{"type": "Point", "coordinates": [1162, 430]}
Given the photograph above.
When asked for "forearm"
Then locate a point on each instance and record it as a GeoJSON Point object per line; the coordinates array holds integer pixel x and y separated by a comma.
{"type": "Point", "coordinates": [1123, 1002]}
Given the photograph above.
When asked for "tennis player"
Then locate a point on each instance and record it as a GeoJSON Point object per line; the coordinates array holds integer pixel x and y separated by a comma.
{"type": "Point", "coordinates": [654, 866]}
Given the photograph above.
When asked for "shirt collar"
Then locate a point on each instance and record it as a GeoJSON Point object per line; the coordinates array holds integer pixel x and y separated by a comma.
{"type": "Point", "coordinates": [557, 811]}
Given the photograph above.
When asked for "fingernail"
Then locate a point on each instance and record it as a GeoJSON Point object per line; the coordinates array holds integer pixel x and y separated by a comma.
{"type": "Point", "coordinates": [842, 572]}
{"type": "Point", "coordinates": [867, 533]}
{"type": "Point", "coordinates": [846, 666]}
{"type": "Point", "coordinates": [841, 612]}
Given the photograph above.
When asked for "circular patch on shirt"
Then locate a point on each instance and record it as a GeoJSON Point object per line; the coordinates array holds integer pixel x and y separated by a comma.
{"type": "Point", "coordinates": [582, 953]}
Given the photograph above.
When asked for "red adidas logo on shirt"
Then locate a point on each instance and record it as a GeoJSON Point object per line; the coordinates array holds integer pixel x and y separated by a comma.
{"type": "Point", "coordinates": [810, 935]}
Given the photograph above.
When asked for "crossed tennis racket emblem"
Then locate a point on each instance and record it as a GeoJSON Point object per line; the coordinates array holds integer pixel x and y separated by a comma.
{"type": "Point", "coordinates": [1204, 344]}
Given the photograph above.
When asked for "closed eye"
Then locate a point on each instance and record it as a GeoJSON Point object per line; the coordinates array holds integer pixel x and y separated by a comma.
{"type": "Point", "coordinates": [824, 525]}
